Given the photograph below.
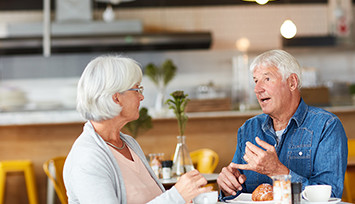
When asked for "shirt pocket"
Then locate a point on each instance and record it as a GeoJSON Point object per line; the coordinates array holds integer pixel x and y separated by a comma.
{"type": "Point", "coordinates": [300, 152]}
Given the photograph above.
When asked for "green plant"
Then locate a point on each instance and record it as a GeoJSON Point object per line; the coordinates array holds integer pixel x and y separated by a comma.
{"type": "Point", "coordinates": [163, 74]}
{"type": "Point", "coordinates": [142, 124]}
{"type": "Point", "coordinates": [352, 89]}
{"type": "Point", "coordinates": [178, 104]}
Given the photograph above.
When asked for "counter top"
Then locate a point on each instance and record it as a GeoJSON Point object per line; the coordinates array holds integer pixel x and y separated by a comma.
{"type": "Point", "coordinates": [72, 116]}
{"type": "Point", "coordinates": [39, 117]}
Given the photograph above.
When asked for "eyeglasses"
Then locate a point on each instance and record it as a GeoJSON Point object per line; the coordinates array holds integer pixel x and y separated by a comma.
{"type": "Point", "coordinates": [140, 89]}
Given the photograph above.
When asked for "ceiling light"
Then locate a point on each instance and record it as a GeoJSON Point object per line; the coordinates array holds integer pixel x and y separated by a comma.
{"type": "Point", "coordinates": [288, 29]}
{"type": "Point", "coordinates": [243, 44]}
{"type": "Point", "coordinates": [109, 15]}
{"type": "Point", "coordinates": [261, 2]}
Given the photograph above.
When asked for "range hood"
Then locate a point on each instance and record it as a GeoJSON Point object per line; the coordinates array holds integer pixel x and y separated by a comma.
{"type": "Point", "coordinates": [107, 43]}
{"type": "Point", "coordinates": [74, 31]}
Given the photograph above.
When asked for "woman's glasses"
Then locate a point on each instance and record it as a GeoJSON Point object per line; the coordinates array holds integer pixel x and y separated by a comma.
{"type": "Point", "coordinates": [140, 89]}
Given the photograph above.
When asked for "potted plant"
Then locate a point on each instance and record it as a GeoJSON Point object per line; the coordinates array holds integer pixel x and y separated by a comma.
{"type": "Point", "coordinates": [352, 92]}
{"type": "Point", "coordinates": [142, 124]}
{"type": "Point", "coordinates": [161, 77]}
{"type": "Point", "coordinates": [178, 105]}
{"type": "Point", "coordinates": [182, 161]}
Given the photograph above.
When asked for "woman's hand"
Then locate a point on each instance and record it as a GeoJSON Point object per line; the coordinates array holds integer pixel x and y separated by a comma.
{"type": "Point", "coordinates": [191, 184]}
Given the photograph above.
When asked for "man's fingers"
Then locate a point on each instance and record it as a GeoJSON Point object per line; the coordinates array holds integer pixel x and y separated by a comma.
{"type": "Point", "coordinates": [226, 185]}
{"type": "Point", "coordinates": [234, 166]}
{"type": "Point", "coordinates": [243, 166]}
{"type": "Point", "coordinates": [264, 144]}
{"type": "Point", "coordinates": [228, 179]}
{"type": "Point", "coordinates": [242, 178]}
{"type": "Point", "coordinates": [250, 155]}
{"type": "Point", "coordinates": [251, 149]}
{"type": "Point", "coordinates": [226, 189]}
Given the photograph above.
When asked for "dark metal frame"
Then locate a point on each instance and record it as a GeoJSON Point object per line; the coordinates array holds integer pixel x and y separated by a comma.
{"type": "Point", "coordinates": [38, 4]}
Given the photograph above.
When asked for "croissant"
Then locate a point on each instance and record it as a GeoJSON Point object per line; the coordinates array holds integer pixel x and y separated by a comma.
{"type": "Point", "coordinates": [263, 192]}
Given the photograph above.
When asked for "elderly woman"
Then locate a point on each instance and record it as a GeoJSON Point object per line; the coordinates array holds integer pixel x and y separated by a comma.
{"type": "Point", "coordinates": [105, 165]}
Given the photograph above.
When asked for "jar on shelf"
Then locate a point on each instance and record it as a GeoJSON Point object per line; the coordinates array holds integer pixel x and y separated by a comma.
{"type": "Point", "coordinates": [155, 160]}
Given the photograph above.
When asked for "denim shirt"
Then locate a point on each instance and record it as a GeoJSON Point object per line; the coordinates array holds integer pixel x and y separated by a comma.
{"type": "Point", "coordinates": [313, 147]}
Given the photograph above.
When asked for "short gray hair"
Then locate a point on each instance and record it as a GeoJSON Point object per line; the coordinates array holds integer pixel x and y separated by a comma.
{"type": "Point", "coordinates": [102, 78]}
{"type": "Point", "coordinates": [282, 60]}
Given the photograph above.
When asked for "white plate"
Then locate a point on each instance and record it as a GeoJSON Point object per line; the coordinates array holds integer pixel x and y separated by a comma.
{"type": "Point", "coordinates": [331, 200]}
{"type": "Point", "coordinates": [245, 198]}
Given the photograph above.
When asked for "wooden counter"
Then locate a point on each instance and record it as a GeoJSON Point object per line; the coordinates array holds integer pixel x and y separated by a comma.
{"type": "Point", "coordinates": [40, 142]}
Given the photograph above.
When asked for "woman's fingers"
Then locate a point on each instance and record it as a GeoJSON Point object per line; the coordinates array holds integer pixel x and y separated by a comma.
{"type": "Point", "coordinates": [191, 184]}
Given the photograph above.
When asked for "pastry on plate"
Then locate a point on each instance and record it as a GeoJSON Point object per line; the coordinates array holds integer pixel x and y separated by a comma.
{"type": "Point", "coordinates": [263, 193]}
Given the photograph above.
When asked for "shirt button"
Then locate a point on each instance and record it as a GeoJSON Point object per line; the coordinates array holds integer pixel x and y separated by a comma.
{"type": "Point", "coordinates": [300, 153]}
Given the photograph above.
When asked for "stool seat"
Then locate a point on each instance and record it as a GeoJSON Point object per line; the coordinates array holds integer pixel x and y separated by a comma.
{"type": "Point", "coordinates": [24, 166]}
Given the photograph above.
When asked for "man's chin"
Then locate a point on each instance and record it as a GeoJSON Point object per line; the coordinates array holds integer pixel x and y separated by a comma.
{"type": "Point", "coordinates": [265, 110]}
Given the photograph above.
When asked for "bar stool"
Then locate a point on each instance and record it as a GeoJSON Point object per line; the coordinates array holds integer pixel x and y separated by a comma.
{"type": "Point", "coordinates": [19, 166]}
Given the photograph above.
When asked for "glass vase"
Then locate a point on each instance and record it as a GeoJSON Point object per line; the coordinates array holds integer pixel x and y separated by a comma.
{"type": "Point", "coordinates": [182, 160]}
{"type": "Point", "coordinates": [160, 100]}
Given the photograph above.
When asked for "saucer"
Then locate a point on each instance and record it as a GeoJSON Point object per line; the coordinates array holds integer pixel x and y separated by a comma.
{"type": "Point", "coordinates": [331, 200]}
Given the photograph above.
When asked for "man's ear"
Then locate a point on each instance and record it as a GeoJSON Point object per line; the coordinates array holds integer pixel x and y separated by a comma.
{"type": "Point", "coordinates": [293, 81]}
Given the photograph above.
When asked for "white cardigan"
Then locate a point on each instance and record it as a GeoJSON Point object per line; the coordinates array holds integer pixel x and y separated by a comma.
{"type": "Point", "coordinates": [92, 175]}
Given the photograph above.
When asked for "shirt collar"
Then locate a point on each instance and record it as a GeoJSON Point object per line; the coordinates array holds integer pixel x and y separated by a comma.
{"type": "Point", "coordinates": [298, 117]}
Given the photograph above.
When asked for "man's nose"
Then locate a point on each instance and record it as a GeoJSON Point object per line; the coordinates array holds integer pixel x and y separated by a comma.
{"type": "Point", "coordinates": [258, 88]}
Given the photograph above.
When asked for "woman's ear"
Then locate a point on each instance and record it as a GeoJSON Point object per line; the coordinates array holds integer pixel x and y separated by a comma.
{"type": "Point", "coordinates": [115, 98]}
{"type": "Point", "coordinates": [293, 82]}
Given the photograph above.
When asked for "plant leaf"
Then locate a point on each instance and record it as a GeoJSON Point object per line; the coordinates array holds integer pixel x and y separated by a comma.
{"type": "Point", "coordinates": [169, 71]}
{"type": "Point", "coordinates": [178, 104]}
{"type": "Point", "coordinates": [153, 73]}
{"type": "Point", "coordinates": [142, 124]}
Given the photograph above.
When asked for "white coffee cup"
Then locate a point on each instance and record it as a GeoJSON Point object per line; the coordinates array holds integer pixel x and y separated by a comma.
{"type": "Point", "coordinates": [206, 198]}
{"type": "Point", "coordinates": [317, 193]}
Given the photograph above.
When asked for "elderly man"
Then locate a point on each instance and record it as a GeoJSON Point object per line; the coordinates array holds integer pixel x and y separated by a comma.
{"type": "Point", "coordinates": [289, 138]}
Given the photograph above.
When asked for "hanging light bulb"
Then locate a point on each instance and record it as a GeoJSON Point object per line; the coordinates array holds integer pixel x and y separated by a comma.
{"type": "Point", "coordinates": [288, 29]}
{"type": "Point", "coordinates": [261, 2]}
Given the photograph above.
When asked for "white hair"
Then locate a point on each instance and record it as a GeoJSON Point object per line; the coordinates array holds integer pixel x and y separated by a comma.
{"type": "Point", "coordinates": [282, 60]}
{"type": "Point", "coordinates": [102, 78]}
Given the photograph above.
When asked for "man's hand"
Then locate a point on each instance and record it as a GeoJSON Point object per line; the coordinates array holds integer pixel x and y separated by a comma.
{"type": "Point", "coordinates": [263, 162]}
{"type": "Point", "coordinates": [230, 179]}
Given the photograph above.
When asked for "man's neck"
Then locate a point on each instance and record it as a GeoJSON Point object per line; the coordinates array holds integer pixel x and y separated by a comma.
{"type": "Point", "coordinates": [280, 122]}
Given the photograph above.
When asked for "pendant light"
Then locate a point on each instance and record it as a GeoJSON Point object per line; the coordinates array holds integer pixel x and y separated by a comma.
{"type": "Point", "coordinates": [288, 29]}
{"type": "Point", "coordinates": [109, 15]}
{"type": "Point", "coordinates": [261, 2]}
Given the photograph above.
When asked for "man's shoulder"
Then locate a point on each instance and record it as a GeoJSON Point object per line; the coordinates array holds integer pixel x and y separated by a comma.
{"type": "Point", "coordinates": [320, 113]}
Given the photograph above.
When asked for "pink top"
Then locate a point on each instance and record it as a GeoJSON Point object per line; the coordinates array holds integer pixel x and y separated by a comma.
{"type": "Point", "coordinates": [140, 186]}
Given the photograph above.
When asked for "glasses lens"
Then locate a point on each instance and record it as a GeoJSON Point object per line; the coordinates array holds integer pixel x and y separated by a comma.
{"type": "Point", "coordinates": [141, 89]}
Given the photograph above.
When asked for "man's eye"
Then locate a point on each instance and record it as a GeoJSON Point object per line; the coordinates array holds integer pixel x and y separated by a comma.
{"type": "Point", "coordinates": [267, 79]}
{"type": "Point", "coordinates": [255, 81]}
